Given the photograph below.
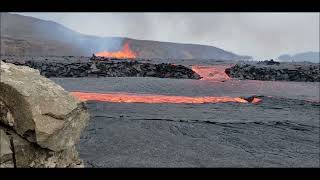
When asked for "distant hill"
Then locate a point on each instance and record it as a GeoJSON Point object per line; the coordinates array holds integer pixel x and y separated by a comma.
{"type": "Point", "coordinates": [150, 49]}
{"type": "Point", "coordinates": [305, 56]}
{"type": "Point", "coordinates": [23, 35]}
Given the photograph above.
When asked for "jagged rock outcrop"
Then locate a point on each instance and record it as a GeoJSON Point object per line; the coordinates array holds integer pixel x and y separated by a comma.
{"type": "Point", "coordinates": [274, 71]}
{"type": "Point", "coordinates": [40, 122]}
{"type": "Point", "coordinates": [110, 68]}
{"type": "Point", "coordinates": [271, 62]}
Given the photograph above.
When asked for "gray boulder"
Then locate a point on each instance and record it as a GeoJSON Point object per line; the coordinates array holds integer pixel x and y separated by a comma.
{"type": "Point", "coordinates": [35, 110]}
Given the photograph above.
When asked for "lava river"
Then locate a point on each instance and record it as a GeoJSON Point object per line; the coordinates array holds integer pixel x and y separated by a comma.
{"type": "Point", "coordinates": [209, 73]}
{"type": "Point", "coordinates": [154, 98]}
{"type": "Point", "coordinates": [213, 73]}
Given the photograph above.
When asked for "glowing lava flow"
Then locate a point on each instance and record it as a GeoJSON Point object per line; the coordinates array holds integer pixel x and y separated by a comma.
{"type": "Point", "coordinates": [256, 100]}
{"type": "Point", "coordinates": [148, 98]}
{"type": "Point", "coordinates": [125, 52]}
{"type": "Point", "coordinates": [215, 73]}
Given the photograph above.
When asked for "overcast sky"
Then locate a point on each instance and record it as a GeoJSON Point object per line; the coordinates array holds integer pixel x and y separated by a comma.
{"type": "Point", "coordinates": [261, 35]}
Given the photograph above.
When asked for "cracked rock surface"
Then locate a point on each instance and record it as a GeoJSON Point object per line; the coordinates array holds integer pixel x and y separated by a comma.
{"type": "Point", "coordinates": [134, 135]}
{"type": "Point", "coordinates": [39, 118]}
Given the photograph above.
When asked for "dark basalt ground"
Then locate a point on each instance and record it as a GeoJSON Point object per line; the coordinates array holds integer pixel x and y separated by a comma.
{"type": "Point", "coordinates": [276, 133]}
{"type": "Point", "coordinates": [281, 131]}
{"type": "Point", "coordinates": [275, 71]}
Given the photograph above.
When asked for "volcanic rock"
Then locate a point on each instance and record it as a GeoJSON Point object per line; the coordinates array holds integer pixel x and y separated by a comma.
{"type": "Point", "coordinates": [105, 67]}
{"type": "Point", "coordinates": [271, 62]}
{"type": "Point", "coordinates": [271, 71]}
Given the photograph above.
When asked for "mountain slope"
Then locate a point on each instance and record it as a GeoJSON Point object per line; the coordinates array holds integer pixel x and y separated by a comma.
{"type": "Point", "coordinates": [305, 56]}
{"type": "Point", "coordinates": [23, 35]}
{"type": "Point", "coordinates": [156, 49]}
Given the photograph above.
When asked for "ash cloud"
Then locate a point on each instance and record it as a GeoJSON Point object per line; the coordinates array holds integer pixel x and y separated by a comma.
{"type": "Point", "coordinates": [261, 35]}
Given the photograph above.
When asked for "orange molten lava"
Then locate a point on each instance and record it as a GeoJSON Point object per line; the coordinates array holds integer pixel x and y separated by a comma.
{"type": "Point", "coordinates": [125, 52]}
{"type": "Point", "coordinates": [256, 100]}
{"type": "Point", "coordinates": [148, 98]}
{"type": "Point", "coordinates": [215, 73]}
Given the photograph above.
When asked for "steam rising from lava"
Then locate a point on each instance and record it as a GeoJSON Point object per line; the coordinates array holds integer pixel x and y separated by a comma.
{"type": "Point", "coordinates": [125, 52]}
{"type": "Point", "coordinates": [149, 98]}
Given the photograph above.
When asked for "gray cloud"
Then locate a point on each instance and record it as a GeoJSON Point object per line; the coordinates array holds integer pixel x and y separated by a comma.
{"type": "Point", "coordinates": [262, 35]}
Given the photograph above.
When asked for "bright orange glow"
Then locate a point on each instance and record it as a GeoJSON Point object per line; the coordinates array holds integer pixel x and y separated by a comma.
{"type": "Point", "coordinates": [149, 98]}
{"type": "Point", "coordinates": [215, 73]}
{"type": "Point", "coordinates": [125, 52]}
{"type": "Point", "coordinates": [256, 100]}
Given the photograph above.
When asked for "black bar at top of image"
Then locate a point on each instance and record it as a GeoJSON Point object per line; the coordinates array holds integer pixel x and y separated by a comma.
{"type": "Point", "coordinates": [160, 6]}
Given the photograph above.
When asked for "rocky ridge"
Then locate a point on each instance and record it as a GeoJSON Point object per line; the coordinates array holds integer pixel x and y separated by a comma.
{"type": "Point", "coordinates": [275, 71]}
{"type": "Point", "coordinates": [112, 68]}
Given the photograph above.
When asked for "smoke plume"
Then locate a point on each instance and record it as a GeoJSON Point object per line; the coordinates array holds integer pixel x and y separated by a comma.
{"type": "Point", "coordinates": [261, 35]}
